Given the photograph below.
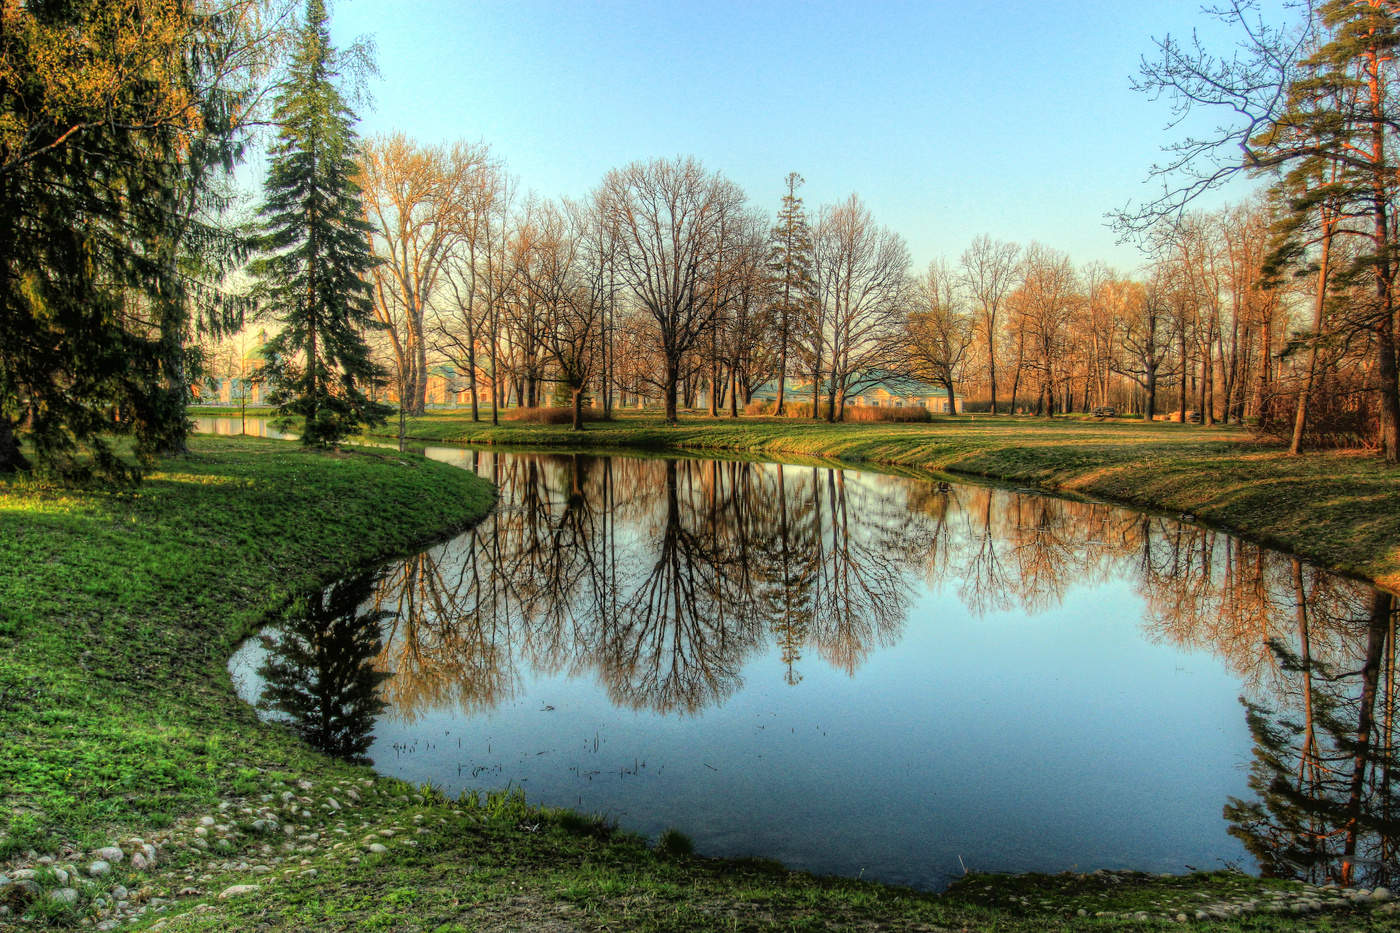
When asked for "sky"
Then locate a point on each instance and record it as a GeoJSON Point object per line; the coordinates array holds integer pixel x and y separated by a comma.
{"type": "Point", "coordinates": [949, 119]}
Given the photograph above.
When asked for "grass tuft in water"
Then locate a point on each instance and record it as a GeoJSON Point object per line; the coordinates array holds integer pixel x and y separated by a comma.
{"type": "Point", "coordinates": [673, 842]}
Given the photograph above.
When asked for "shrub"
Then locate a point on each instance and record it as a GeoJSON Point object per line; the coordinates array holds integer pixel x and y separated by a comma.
{"type": "Point", "coordinates": [674, 842]}
{"type": "Point", "coordinates": [759, 407]}
{"type": "Point", "coordinates": [801, 409]}
{"type": "Point", "coordinates": [1340, 415]}
{"type": "Point", "coordinates": [550, 415]}
{"type": "Point", "coordinates": [887, 413]}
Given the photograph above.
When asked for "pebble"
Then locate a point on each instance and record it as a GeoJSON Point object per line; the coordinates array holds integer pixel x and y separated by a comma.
{"type": "Point", "coordinates": [237, 890]}
{"type": "Point", "coordinates": [65, 895]}
{"type": "Point", "coordinates": [99, 868]}
{"type": "Point", "coordinates": [378, 848]}
{"type": "Point", "coordinates": [110, 854]}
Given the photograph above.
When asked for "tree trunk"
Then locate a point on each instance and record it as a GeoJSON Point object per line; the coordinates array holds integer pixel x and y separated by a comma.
{"type": "Point", "coordinates": [1389, 390]}
{"type": "Point", "coordinates": [11, 460]}
{"type": "Point", "coordinates": [992, 376]}
{"type": "Point", "coordinates": [578, 407]}
{"type": "Point", "coordinates": [714, 388]}
{"type": "Point", "coordinates": [471, 370]}
{"type": "Point", "coordinates": [1181, 344]}
{"type": "Point", "coordinates": [1300, 416]}
{"type": "Point", "coordinates": [672, 378]}
{"type": "Point", "coordinates": [952, 402]}
{"type": "Point", "coordinates": [782, 360]}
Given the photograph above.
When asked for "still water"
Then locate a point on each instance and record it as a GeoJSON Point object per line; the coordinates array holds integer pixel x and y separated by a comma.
{"type": "Point", "coordinates": [862, 674]}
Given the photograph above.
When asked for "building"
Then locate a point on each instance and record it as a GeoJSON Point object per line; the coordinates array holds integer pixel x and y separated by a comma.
{"type": "Point", "coordinates": [894, 392]}
{"type": "Point", "coordinates": [898, 392]}
{"type": "Point", "coordinates": [241, 383]}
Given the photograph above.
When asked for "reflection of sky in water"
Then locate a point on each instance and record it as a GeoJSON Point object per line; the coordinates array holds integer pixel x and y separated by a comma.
{"type": "Point", "coordinates": [1059, 737]}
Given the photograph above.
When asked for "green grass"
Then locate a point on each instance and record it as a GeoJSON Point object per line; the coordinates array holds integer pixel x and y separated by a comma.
{"type": "Point", "coordinates": [1341, 509]}
{"type": "Point", "coordinates": [118, 612]}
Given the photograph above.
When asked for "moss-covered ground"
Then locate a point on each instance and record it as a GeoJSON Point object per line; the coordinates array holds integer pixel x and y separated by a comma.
{"type": "Point", "coordinates": [119, 727]}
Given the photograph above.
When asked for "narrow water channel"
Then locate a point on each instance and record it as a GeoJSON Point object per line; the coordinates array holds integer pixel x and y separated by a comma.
{"type": "Point", "coordinates": [864, 675]}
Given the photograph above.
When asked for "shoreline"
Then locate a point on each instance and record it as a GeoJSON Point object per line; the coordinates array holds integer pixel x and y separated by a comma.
{"type": "Point", "coordinates": [239, 824]}
{"type": "Point", "coordinates": [1337, 509]}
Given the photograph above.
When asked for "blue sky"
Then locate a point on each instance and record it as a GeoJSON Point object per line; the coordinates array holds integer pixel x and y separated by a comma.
{"type": "Point", "coordinates": [950, 120]}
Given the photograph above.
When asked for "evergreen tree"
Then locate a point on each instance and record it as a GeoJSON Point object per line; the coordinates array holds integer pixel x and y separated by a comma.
{"type": "Point", "coordinates": [107, 148]}
{"type": "Point", "coordinates": [317, 253]}
{"type": "Point", "coordinates": [1334, 140]}
{"type": "Point", "coordinates": [790, 264]}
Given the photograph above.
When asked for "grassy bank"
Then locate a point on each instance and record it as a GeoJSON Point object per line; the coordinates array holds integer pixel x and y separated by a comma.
{"type": "Point", "coordinates": [1340, 509]}
{"type": "Point", "coordinates": [139, 790]}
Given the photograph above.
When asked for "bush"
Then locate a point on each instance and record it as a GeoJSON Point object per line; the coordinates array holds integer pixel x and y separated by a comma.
{"type": "Point", "coordinates": [802, 409]}
{"type": "Point", "coordinates": [887, 413]}
{"type": "Point", "coordinates": [1340, 415]}
{"type": "Point", "coordinates": [759, 407]}
{"type": "Point", "coordinates": [674, 842]}
{"type": "Point", "coordinates": [550, 415]}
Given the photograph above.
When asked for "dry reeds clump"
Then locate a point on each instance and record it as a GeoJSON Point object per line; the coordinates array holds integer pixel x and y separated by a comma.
{"type": "Point", "coordinates": [887, 413]}
{"type": "Point", "coordinates": [550, 415]}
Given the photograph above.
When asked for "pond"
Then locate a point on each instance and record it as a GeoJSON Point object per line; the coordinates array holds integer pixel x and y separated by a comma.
{"type": "Point", "coordinates": [863, 674]}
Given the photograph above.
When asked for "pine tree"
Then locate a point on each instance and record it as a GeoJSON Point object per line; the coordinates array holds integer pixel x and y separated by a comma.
{"type": "Point", "coordinates": [1334, 142]}
{"type": "Point", "coordinates": [317, 253]}
{"type": "Point", "coordinates": [790, 264]}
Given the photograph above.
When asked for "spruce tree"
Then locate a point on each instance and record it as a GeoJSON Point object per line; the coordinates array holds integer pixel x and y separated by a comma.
{"type": "Point", "coordinates": [107, 155]}
{"type": "Point", "coordinates": [316, 246]}
{"type": "Point", "coordinates": [790, 265]}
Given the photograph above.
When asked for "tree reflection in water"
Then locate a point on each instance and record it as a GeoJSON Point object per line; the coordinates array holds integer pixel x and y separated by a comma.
{"type": "Point", "coordinates": [664, 578]}
{"type": "Point", "coordinates": [318, 671]}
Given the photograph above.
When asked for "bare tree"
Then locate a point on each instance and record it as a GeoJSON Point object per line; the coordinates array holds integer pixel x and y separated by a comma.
{"type": "Point", "coordinates": [990, 271]}
{"type": "Point", "coordinates": [671, 217]}
{"type": "Point", "coordinates": [940, 332]}
{"type": "Point", "coordinates": [419, 200]}
{"type": "Point", "coordinates": [861, 274]}
{"type": "Point", "coordinates": [1048, 298]}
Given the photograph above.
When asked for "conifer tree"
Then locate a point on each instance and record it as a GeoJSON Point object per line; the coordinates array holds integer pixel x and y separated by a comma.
{"type": "Point", "coordinates": [108, 148]}
{"type": "Point", "coordinates": [317, 253]}
{"type": "Point", "coordinates": [790, 264]}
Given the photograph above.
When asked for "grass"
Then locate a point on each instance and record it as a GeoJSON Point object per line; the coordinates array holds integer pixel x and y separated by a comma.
{"type": "Point", "coordinates": [1340, 508]}
{"type": "Point", "coordinates": [118, 612]}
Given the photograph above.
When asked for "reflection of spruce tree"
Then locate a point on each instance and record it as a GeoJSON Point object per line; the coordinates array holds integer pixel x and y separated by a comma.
{"type": "Point", "coordinates": [318, 669]}
{"type": "Point", "coordinates": [791, 589]}
{"type": "Point", "coordinates": [1325, 809]}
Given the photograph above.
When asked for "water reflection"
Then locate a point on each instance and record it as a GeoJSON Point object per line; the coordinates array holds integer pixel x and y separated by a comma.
{"type": "Point", "coordinates": [677, 584]}
{"type": "Point", "coordinates": [1324, 809]}
{"type": "Point", "coordinates": [317, 673]}
{"type": "Point", "coordinates": [660, 577]}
